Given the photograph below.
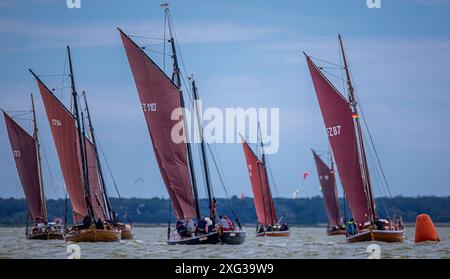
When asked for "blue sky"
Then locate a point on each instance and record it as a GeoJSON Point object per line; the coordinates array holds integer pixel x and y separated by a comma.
{"type": "Point", "coordinates": [247, 54]}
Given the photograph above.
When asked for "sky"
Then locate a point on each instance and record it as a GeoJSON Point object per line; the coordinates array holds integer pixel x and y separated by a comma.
{"type": "Point", "coordinates": [243, 54]}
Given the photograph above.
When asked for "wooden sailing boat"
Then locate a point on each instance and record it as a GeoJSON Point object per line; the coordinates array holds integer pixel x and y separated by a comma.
{"type": "Point", "coordinates": [26, 151]}
{"type": "Point", "coordinates": [76, 156]}
{"type": "Point", "coordinates": [347, 143]}
{"type": "Point", "coordinates": [268, 224]}
{"type": "Point", "coordinates": [330, 195]}
{"type": "Point", "coordinates": [160, 96]}
{"type": "Point", "coordinates": [98, 191]}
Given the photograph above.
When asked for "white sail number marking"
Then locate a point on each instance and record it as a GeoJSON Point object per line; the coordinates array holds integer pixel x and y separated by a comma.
{"type": "Point", "coordinates": [56, 122]}
{"type": "Point", "coordinates": [149, 106]}
{"type": "Point", "coordinates": [334, 131]}
{"type": "Point", "coordinates": [16, 153]}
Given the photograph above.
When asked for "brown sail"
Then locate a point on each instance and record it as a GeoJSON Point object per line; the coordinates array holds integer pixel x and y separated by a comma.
{"type": "Point", "coordinates": [65, 136]}
{"type": "Point", "coordinates": [95, 186]}
{"type": "Point", "coordinates": [262, 197]}
{"type": "Point", "coordinates": [159, 98]}
{"type": "Point", "coordinates": [329, 191]}
{"type": "Point", "coordinates": [340, 128]}
{"type": "Point", "coordinates": [25, 154]}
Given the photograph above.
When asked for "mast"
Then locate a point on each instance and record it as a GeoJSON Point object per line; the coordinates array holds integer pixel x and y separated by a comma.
{"type": "Point", "coordinates": [80, 139]}
{"type": "Point", "coordinates": [202, 146]}
{"type": "Point", "coordinates": [263, 159]}
{"type": "Point", "coordinates": [38, 153]}
{"type": "Point", "coordinates": [97, 158]}
{"type": "Point", "coordinates": [363, 158]}
{"type": "Point", "coordinates": [177, 81]}
{"type": "Point", "coordinates": [335, 188]}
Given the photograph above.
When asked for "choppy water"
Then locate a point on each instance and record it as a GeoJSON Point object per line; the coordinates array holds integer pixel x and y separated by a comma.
{"type": "Point", "coordinates": [151, 243]}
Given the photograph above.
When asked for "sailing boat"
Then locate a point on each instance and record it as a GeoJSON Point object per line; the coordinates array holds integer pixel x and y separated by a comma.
{"type": "Point", "coordinates": [347, 143]}
{"type": "Point", "coordinates": [98, 192]}
{"type": "Point", "coordinates": [268, 224]}
{"type": "Point", "coordinates": [330, 196]}
{"type": "Point", "coordinates": [26, 152]}
{"type": "Point", "coordinates": [160, 96]}
{"type": "Point", "coordinates": [76, 158]}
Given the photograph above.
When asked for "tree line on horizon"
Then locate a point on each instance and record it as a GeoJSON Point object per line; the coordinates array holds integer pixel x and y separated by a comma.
{"type": "Point", "coordinates": [300, 211]}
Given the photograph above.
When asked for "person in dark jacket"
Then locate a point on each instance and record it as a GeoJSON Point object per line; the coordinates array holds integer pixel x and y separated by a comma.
{"type": "Point", "coordinates": [181, 229]}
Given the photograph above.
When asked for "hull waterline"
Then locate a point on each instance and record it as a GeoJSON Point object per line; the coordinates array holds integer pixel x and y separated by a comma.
{"type": "Point", "coordinates": [378, 235]}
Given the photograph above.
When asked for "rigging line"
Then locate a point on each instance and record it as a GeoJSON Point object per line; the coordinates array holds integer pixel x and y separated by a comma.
{"type": "Point", "coordinates": [272, 180]}
{"type": "Point", "coordinates": [109, 168]}
{"type": "Point", "coordinates": [54, 75]}
{"type": "Point", "coordinates": [155, 51]}
{"type": "Point", "coordinates": [342, 74]}
{"type": "Point", "coordinates": [50, 174]}
{"type": "Point", "coordinates": [20, 114]}
{"type": "Point", "coordinates": [373, 144]}
{"type": "Point", "coordinates": [325, 61]}
{"type": "Point", "coordinates": [145, 37]}
{"type": "Point", "coordinates": [63, 80]}
{"type": "Point", "coordinates": [336, 76]}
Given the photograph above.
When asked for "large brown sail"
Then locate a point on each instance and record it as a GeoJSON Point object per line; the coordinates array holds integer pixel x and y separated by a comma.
{"type": "Point", "coordinates": [340, 128]}
{"type": "Point", "coordinates": [159, 98]}
{"type": "Point", "coordinates": [329, 191]}
{"type": "Point", "coordinates": [65, 137]}
{"type": "Point", "coordinates": [95, 186]}
{"type": "Point", "coordinates": [25, 154]}
{"type": "Point", "coordinates": [262, 196]}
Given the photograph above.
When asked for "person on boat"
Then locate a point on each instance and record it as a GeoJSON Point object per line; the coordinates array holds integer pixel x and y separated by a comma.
{"type": "Point", "coordinates": [99, 224]}
{"type": "Point", "coordinates": [379, 225]}
{"type": "Point", "coordinates": [212, 209]}
{"type": "Point", "coordinates": [269, 229]}
{"type": "Point", "coordinates": [181, 229]}
{"type": "Point", "coordinates": [283, 224]}
{"type": "Point", "coordinates": [224, 224]}
{"type": "Point", "coordinates": [351, 227]}
{"type": "Point", "coordinates": [260, 229]}
{"type": "Point", "coordinates": [191, 227]}
{"type": "Point", "coordinates": [87, 221]}
{"type": "Point", "coordinates": [230, 223]}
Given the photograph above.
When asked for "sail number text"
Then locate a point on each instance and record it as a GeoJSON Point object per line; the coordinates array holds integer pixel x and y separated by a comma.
{"type": "Point", "coordinates": [334, 131]}
{"type": "Point", "coordinates": [149, 106]}
{"type": "Point", "coordinates": [56, 122]}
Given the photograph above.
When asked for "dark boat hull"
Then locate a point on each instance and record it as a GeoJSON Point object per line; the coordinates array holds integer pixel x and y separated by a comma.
{"type": "Point", "coordinates": [212, 238]}
{"type": "Point", "coordinates": [233, 237]}
{"type": "Point", "coordinates": [336, 232]}
{"type": "Point", "coordinates": [389, 236]}
{"type": "Point", "coordinates": [274, 234]}
{"type": "Point", "coordinates": [46, 236]}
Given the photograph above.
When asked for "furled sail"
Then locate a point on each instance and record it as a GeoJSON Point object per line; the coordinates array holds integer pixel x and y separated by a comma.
{"type": "Point", "coordinates": [65, 136]}
{"type": "Point", "coordinates": [340, 128]}
{"type": "Point", "coordinates": [159, 98]}
{"type": "Point", "coordinates": [262, 196]}
{"type": "Point", "coordinates": [25, 155]}
{"type": "Point", "coordinates": [329, 191]}
{"type": "Point", "coordinates": [95, 184]}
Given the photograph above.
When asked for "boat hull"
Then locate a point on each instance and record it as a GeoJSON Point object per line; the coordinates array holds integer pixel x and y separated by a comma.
{"type": "Point", "coordinates": [233, 237]}
{"type": "Point", "coordinates": [93, 235]}
{"type": "Point", "coordinates": [378, 235]}
{"type": "Point", "coordinates": [336, 232]}
{"type": "Point", "coordinates": [212, 238]}
{"type": "Point", "coordinates": [274, 234]}
{"type": "Point", "coordinates": [46, 236]}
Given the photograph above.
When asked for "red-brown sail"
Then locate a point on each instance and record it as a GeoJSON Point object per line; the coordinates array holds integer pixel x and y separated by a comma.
{"type": "Point", "coordinates": [329, 191]}
{"type": "Point", "coordinates": [25, 155]}
{"type": "Point", "coordinates": [95, 186]}
{"type": "Point", "coordinates": [262, 196]}
{"type": "Point", "coordinates": [159, 98]}
{"type": "Point", "coordinates": [340, 128]}
{"type": "Point", "coordinates": [65, 136]}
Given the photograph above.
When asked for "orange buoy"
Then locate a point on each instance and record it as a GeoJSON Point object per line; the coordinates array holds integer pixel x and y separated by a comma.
{"type": "Point", "coordinates": [425, 229]}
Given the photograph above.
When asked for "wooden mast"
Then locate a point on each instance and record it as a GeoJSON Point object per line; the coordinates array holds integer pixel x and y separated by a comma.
{"type": "Point", "coordinates": [38, 154]}
{"type": "Point", "coordinates": [202, 147]}
{"type": "Point", "coordinates": [335, 187]}
{"type": "Point", "coordinates": [80, 139]}
{"type": "Point", "coordinates": [363, 158]}
{"type": "Point", "coordinates": [176, 78]}
{"type": "Point", "coordinates": [107, 210]}
{"type": "Point", "coordinates": [263, 160]}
